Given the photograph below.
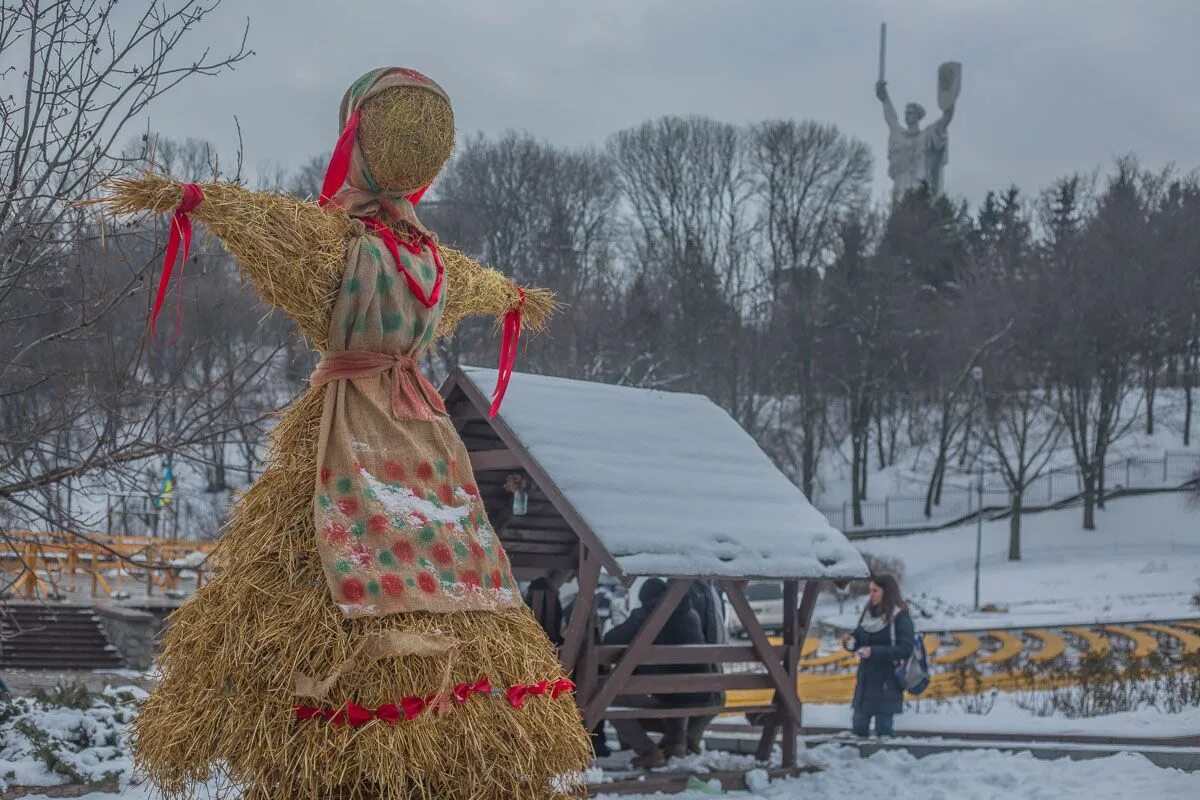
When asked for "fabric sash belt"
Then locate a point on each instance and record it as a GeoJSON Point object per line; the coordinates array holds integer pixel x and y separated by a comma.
{"type": "Point", "coordinates": [413, 396]}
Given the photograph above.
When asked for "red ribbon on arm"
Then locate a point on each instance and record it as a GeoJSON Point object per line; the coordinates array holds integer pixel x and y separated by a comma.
{"type": "Point", "coordinates": [339, 162]}
{"type": "Point", "coordinates": [508, 352]}
{"type": "Point", "coordinates": [181, 232]}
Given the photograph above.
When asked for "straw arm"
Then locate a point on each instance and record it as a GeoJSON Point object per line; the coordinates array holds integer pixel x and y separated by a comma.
{"type": "Point", "coordinates": [293, 252]}
{"type": "Point", "coordinates": [474, 290]}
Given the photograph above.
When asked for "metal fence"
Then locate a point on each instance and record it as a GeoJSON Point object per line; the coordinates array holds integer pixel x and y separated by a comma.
{"type": "Point", "coordinates": [1173, 468]}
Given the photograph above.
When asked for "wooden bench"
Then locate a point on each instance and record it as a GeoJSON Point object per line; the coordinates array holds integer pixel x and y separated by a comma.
{"type": "Point", "coordinates": [837, 657]}
{"type": "Point", "coordinates": [968, 645]}
{"type": "Point", "coordinates": [1096, 645]}
{"type": "Point", "coordinates": [1189, 642]}
{"type": "Point", "coordinates": [1143, 643]}
{"type": "Point", "coordinates": [1010, 647]}
{"type": "Point", "coordinates": [933, 643]}
{"type": "Point", "coordinates": [1053, 646]}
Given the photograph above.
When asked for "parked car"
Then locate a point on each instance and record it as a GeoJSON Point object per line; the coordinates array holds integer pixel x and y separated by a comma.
{"type": "Point", "coordinates": [766, 601]}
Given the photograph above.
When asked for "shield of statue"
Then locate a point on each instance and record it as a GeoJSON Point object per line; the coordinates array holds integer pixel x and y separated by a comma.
{"type": "Point", "coordinates": [949, 84]}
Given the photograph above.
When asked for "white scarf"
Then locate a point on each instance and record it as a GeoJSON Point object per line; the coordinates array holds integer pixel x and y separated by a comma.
{"type": "Point", "coordinates": [874, 624]}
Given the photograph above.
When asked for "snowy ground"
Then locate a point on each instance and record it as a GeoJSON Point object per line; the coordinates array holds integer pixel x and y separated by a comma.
{"type": "Point", "coordinates": [967, 775]}
{"type": "Point", "coordinates": [90, 743]}
{"type": "Point", "coordinates": [1141, 563]}
{"type": "Point", "coordinates": [1012, 714]}
{"type": "Point", "coordinates": [909, 475]}
{"type": "Point", "coordinates": [959, 775]}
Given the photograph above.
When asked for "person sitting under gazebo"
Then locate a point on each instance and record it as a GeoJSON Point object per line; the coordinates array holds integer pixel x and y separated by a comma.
{"type": "Point", "coordinates": [682, 627]}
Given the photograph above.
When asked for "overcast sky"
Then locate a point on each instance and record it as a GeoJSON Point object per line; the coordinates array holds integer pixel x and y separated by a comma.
{"type": "Point", "coordinates": [1049, 86]}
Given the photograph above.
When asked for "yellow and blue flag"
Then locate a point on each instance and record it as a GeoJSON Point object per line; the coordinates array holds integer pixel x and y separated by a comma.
{"type": "Point", "coordinates": [168, 489]}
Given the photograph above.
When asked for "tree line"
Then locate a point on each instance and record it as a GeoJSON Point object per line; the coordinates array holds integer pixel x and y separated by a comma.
{"type": "Point", "coordinates": [748, 263]}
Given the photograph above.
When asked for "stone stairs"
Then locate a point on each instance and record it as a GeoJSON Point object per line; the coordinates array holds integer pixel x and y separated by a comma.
{"type": "Point", "coordinates": [54, 637]}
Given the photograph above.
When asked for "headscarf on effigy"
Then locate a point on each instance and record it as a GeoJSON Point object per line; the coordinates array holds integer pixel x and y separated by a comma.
{"type": "Point", "coordinates": [362, 197]}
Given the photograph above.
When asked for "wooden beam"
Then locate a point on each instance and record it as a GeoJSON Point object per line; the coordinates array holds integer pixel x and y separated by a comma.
{"type": "Point", "coordinates": [625, 712]}
{"type": "Point", "coordinates": [791, 633]}
{"type": "Point", "coordinates": [688, 653]}
{"type": "Point", "coordinates": [542, 561]}
{"type": "Point", "coordinates": [494, 459]}
{"type": "Point", "coordinates": [676, 589]}
{"type": "Point", "coordinates": [789, 696]}
{"type": "Point", "coordinates": [563, 535]}
{"type": "Point", "coordinates": [581, 614]}
{"type": "Point", "coordinates": [695, 682]}
{"type": "Point", "coordinates": [538, 548]}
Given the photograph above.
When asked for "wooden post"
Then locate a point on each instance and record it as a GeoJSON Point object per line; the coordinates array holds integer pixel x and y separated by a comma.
{"type": "Point", "coordinates": [785, 695]}
{"type": "Point", "coordinates": [637, 650]}
{"type": "Point", "coordinates": [579, 628]}
{"type": "Point", "coordinates": [587, 670]}
{"type": "Point", "coordinates": [791, 636]}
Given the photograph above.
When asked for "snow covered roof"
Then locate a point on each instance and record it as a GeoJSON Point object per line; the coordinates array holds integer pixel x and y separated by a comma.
{"type": "Point", "coordinates": [668, 483]}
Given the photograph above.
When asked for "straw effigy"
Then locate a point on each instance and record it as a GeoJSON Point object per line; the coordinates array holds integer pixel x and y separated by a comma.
{"type": "Point", "coordinates": [234, 656]}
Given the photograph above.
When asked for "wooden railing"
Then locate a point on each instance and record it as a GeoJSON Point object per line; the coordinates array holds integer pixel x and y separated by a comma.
{"type": "Point", "coordinates": [40, 559]}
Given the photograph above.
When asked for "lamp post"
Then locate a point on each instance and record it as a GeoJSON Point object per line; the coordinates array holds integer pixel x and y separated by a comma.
{"type": "Point", "coordinates": [977, 374]}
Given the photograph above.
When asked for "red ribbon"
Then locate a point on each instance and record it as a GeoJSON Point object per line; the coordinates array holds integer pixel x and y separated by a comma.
{"type": "Point", "coordinates": [412, 707]}
{"type": "Point", "coordinates": [516, 695]}
{"type": "Point", "coordinates": [339, 162]}
{"type": "Point", "coordinates": [508, 352]}
{"type": "Point", "coordinates": [464, 690]}
{"type": "Point", "coordinates": [357, 716]}
{"type": "Point", "coordinates": [561, 685]}
{"type": "Point", "coordinates": [389, 713]}
{"type": "Point", "coordinates": [307, 712]}
{"type": "Point", "coordinates": [181, 229]}
{"type": "Point", "coordinates": [393, 245]}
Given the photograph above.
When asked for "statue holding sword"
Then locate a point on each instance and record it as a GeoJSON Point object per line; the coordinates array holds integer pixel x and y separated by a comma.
{"type": "Point", "coordinates": [917, 156]}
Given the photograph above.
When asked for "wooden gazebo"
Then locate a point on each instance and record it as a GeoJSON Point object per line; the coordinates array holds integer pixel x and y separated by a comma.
{"type": "Point", "coordinates": [638, 482]}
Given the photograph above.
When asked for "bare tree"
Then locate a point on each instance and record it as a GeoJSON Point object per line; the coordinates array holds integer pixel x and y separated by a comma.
{"type": "Point", "coordinates": [685, 183]}
{"type": "Point", "coordinates": [74, 399]}
{"type": "Point", "coordinates": [1090, 260]}
{"type": "Point", "coordinates": [807, 178]}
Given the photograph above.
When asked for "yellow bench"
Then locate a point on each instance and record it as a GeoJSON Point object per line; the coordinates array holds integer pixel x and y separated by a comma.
{"type": "Point", "coordinates": [1143, 643]}
{"type": "Point", "coordinates": [1190, 642]}
{"type": "Point", "coordinates": [1097, 645]}
{"type": "Point", "coordinates": [968, 644]}
{"type": "Point", "coordinates": [1010, 647]}
{"type": "Point", "coordinates": [933, 643]}
{"type": "Point", "coordinates": [1053, 645]}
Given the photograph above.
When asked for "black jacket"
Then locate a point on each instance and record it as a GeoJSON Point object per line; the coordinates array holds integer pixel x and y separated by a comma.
{"type": "Point", "coordinates": [876, 691]}
{"type": "Point", "coordinates": [712, 618]}
{"type": "Point", "coordinates": [682, 627]}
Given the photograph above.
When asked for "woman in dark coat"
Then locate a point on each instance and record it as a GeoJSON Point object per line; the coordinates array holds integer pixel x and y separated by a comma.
{"type": "Point", "coordinates": [883, 639]}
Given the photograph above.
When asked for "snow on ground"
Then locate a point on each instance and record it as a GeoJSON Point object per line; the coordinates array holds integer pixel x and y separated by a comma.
{"type": "Point", "coordinates": [1141, 563]}
{"type": "Point", "coordinates": [83, 744]}
{"type": "Point", "coordinates": [1005, 715]}
{"type": "Point", "coordinates": [958, 775]}
{"type": "Point", "coordinates": [963, 775]}
{"type": "Point", "coordinates": [909, 475]}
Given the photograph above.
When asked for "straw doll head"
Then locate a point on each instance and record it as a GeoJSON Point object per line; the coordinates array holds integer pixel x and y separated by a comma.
{"type": "Point", "coordinates": [397, 133]}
